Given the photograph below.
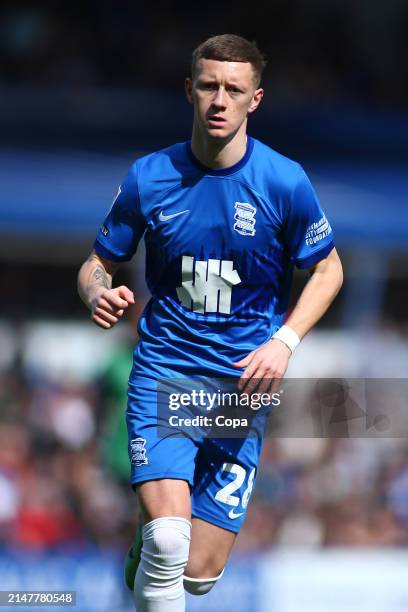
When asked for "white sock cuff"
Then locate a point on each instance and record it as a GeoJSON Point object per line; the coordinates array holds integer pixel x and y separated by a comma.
{"type": "Point", "coordinates": [200, 586]}
{"type": "Point", "coordinates": [204, 579]}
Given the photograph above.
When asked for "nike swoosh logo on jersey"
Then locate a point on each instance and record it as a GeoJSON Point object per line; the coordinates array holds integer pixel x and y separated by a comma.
{"type": "Point", "coordinates": [232, 514]}
{"type": "Point", "coordinates": [163, 217]}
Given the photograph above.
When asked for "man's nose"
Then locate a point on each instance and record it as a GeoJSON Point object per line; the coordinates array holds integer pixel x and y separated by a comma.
{"type": "Point", "coordinates": [219, 99]}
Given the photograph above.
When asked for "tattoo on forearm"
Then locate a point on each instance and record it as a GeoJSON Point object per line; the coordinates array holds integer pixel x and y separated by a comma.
{"type": "Point", "coordinates": [100, 277]}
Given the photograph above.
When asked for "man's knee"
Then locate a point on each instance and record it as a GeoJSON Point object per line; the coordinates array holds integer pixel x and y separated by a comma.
{"type": "Point", "coordinates": [164, 555]}
{"type": "Point", "coordinates": [166, 543]}
{"type": "Point", "coordinates": [200, 586]}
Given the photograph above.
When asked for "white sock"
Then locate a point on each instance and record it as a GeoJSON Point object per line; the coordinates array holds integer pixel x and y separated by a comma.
{"type": "Point", "coordinates": [159, 578]}
{"type": "Point", "coordinates": [200, 586]}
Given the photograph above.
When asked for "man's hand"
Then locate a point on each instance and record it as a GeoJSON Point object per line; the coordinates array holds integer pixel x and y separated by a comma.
{"type": "Point", "coordinates": [108, 305]}
{"type": "Point", "coordinates": [95, 289]}
{"type": "Point", "coordinates": [264, 367]}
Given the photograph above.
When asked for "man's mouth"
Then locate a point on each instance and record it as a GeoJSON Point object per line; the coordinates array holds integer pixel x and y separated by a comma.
{"type": "Point", "coordinates": [216, 120]}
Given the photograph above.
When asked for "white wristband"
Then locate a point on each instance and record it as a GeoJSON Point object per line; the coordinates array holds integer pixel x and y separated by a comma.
{"type": "Point", "coordinates": [287, 336]}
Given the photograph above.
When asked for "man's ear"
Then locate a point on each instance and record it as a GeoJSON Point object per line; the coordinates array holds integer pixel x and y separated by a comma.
{"type": "Point", "coordinates": [256, 100]}
{"type": "Point", "coordinates": [188, 88]}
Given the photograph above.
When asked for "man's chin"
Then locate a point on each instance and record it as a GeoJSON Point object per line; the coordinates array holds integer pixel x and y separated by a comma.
{"type": "Point", "coordinates": [218, 134]}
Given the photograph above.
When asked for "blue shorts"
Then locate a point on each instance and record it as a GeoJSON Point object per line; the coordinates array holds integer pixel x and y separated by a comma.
{"type": "Point", "coordinates": [221, 472]}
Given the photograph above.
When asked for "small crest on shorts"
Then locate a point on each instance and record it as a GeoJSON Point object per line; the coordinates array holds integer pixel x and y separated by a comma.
{"type": "Point", "coordinates": [138, 452]}
{"type": "Point", "coordinates": [245, 219]}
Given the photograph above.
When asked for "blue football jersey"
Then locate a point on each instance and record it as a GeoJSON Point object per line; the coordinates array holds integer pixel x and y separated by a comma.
{"type": "Point", "coordinates": [221, 245]}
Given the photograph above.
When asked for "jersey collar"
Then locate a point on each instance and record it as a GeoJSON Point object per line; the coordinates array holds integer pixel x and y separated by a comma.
{"type": "Point", "coordinates": [222, 171]}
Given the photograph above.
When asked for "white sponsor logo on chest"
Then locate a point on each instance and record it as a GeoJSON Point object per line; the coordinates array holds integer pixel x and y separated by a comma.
{"type": "Point", "coordinates": [207, 285]}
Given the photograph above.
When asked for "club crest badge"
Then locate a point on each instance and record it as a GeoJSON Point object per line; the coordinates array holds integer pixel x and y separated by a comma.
{"type": "Point", "coordinates": [138, 452]}
{"type": "Point", "coordinates": [245, 219]}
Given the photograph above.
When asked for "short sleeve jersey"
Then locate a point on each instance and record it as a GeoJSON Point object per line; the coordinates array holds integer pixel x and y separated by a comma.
{"type": "Point", "coordinates": [221, 245]}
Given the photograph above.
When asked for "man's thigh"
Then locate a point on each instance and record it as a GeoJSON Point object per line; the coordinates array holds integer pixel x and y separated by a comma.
{"type": "Point", "coordinates": [164, 497]}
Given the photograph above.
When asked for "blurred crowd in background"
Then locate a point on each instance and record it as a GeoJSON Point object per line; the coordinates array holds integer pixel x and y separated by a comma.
{"type": "Point", "coordinates": [63, 462]}
{"type": "Point", "coordinates": [337, 50]}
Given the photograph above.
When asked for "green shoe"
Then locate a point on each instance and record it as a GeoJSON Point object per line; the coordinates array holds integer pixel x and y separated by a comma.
{"type": "Point", "coordinates": [132, 559]}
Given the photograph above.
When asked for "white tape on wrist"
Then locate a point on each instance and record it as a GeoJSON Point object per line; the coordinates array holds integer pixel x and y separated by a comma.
{"type": "Point", "coordinates": [289, 337]}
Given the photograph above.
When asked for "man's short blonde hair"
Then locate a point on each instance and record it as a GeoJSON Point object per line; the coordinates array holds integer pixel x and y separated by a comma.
{"type": "Point", "coordinates": [230, 48]}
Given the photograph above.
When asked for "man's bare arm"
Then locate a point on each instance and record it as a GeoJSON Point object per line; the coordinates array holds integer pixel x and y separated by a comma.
{"type": "Point", "coordinates": [95, 289]}
{"type": "Point", "coordinates": [270, 361]}
{"type": "Point", "coordinates": [322, 287]}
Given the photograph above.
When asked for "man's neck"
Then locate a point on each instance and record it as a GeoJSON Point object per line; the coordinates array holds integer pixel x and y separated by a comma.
{"type": "Point", "coordinates": [217, 154]}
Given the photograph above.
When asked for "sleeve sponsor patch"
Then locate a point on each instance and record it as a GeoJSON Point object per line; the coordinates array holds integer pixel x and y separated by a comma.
{"type": "Point", "coordinates": [317, 231]}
